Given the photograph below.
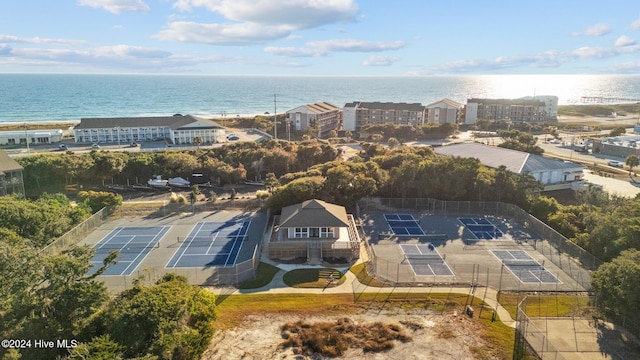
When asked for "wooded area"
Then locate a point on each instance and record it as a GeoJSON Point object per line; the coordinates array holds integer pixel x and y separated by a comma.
{"type": "Point", "coordinates": [52, 297]}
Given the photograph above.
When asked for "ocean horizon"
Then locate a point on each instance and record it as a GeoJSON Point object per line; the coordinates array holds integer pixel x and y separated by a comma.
{"type": "Point", "coordinates": [28, 98]}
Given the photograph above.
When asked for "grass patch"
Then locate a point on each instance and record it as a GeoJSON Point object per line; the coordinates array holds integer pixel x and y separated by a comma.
{"type": "Point", "coordinates": [313, 278]}
{"type": "Point", "coordinates": [547, 305]}
{"type": "Point", "coordinates": [264, 275]}
{"type": "Point", "coordinates": [234, 308]}
{"type": "Point", "coordinates": [334, 338]}
{"type": "Point", "coordinates": [360, 271]}
{"type": "Point", "coordinates": [498, 336]}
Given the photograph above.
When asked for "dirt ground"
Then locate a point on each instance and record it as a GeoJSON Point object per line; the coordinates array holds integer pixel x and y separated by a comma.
{"type": "Point", "coordinates": [450, 335]}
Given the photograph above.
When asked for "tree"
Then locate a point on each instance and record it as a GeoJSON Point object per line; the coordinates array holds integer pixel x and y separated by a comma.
{"type": "Point", "coordinates": [332, 134]}
{"type": "Point", "coordinates": [393, 142]}
{"type": "Point", "coordinates": [171, 318]}
{"type": "Point", "coordinates": [620, 130]}
{"type": "Point", "coordinates": [97, 200]}
{"type": "Point", "coordinates": [632, 161]}
{"type": "Point", "coordinates": [616, 285]}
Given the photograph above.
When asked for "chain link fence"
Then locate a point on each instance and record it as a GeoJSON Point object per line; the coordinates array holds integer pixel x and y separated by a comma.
{"type": "Point", "coordinates": [78, 233]}
{"type": "Point", "coordinates": [576, 262]}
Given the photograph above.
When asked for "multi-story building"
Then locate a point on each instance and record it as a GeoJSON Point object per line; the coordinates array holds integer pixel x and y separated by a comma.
{"type": "Point", "coordinates": [177, 129]}
{"type": "Point", "coordinates": [513, 110]}
{"type": "Point", "coordinates": [323, 115]}
{"type": "Point", "coordinates": [550, 105]}
{"type": "Point", "coordinates": [357, 114]}
{"type": "Point", "coordinates": [11, 180]}
{"type": "Point", "coordinates": [444, 111]}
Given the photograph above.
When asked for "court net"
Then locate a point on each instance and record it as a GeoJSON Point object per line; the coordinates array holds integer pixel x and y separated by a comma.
{"type": "Point", "coordinates": [523, 264]}
{"type": "Point", "coordinates": [425, 259]}
{"type": "Point", "coordinates": [126, 247]}
{"type": "Point", "coordinates": [208, 240]}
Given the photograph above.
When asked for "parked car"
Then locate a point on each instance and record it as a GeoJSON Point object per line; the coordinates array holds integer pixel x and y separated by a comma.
{"type": "Point", "coordinates": [95, 146]}
{"type": "Point", "coordinates": [233, 137]}
{"type": "Point", "coordinates": [615, 163]}
{"type": "Point", "coordinates": [62, 147]}
{"type": "Point", "coordinates": [133, 144]}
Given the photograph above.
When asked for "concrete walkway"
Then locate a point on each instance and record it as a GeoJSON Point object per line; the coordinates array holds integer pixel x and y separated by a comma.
{"type": "Point", "coordinates": [277, 286]}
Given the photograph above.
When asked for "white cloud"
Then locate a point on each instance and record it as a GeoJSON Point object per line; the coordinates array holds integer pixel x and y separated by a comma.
{"type": "Point", "coordinates": [624, 41]}
{"type": "Point", "coordinates": [636, 25]}
{"type": "Point", "coordinates": [294, 52]}
{"type": "Point", "coordinates": [219, 34]}
{"type": "Point", "coordinates": [352, 45]}
{"type": "Point", "coordinates": [376, 60]}
{"type": "Point", "coordinates": [256, 21]}
{"type": "Point", "coordinates": [298, 13]}
{"type": "Point", "coordinates": [37, 40]}
{"type": "Point", "coordinates": [322, 48]}
{"type": "Point", "coordinates": [116, 6]}
{"type": "Point", "coordinates": [5, 49]}
{"type": "Point", "coordinates": [623, 68]}
{"type": "Point", "coordinates": [595, 30]}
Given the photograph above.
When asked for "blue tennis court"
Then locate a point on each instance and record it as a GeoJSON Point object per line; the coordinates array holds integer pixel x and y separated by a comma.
{"type": "Point", "coordinates": [403, 224]}
{"type": "Point", "coordinates": [134, 244]}
{"type": "Point", "coordinates": [211, 244]}
{"type": "Point", "coordinates": [425, 260]}
{"type": "Point", "coordinates": [524, 267]}
{"type": "Point", "coordinates": [481, 228]}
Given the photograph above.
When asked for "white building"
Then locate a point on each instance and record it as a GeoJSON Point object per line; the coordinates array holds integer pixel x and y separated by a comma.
{"type": "Point", "coordinates": [177, 129]}
{"type": "Point", "coordinates": [513, 110]}
{"type": "Point", "coordinates": [357, 114]}
{"type": "Point", "coordinates": [444, 111]}
{"type": "Point", "coordinates": [36, 137]}
{"type": "Point", "coordinates": [553, 174]}
{"type": "Point", "coordinates": [323, 115]}
{"type": "Point", "coordinates": [550, 105]}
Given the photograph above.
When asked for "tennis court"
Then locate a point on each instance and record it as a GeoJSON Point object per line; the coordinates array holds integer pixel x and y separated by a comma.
{"type": "Point", "coordinates": [211, 244]}
{"type": "Point", "coordinates": [134, 244]}
{"type": "Point", "coordinates": [425, 260]}
{"type": "Point", "coordinates": [524, 267]}
{"type": "Point", "coordinates": [403, 224]}
{"type": "Point", "coordinates": [481, 228]}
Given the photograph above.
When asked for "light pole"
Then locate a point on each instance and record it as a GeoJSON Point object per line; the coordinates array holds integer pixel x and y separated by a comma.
{"type": "Point", "coordinates": [26, 136]}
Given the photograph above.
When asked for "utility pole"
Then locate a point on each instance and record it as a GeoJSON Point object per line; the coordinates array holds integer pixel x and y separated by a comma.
{"type": "Point", "coordinates": [275, 117]}
{"type": "Point", "coordinates": [26, 136]}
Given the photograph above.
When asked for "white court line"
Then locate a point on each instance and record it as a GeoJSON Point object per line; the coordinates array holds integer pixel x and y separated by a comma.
{"type": "Point", "coordinates": [163, 230]}
{"type": "Point", "coordinates": [240, 248]}
{"type": "Point", "coordinates": [212, 241]}
{"type": "Point", "coordinates": [191, 235]}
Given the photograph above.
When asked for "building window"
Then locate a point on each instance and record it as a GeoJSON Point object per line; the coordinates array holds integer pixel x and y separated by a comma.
{"type": "Point", "coordinates": [301, 232]}
{"type": "Point", "coordinates": [326, 232]}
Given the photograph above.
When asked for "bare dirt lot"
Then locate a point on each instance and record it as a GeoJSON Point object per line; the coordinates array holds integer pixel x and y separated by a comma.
{"type": "Point", "coordinates": [449, 335]}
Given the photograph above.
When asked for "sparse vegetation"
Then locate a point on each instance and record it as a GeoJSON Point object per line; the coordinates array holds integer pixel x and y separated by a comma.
{"type": "Point", "coordinates": [333, 339]}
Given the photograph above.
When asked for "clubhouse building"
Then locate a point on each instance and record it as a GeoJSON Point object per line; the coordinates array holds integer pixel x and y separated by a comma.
{"type": "Point", "coordinates": [315, 231]}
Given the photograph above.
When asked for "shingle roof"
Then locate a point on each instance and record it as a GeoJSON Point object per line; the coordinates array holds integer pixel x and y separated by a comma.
{"type": "Point", "coordinates": [7, 163]}
{"type": "Point", "coordinates": [174, 122]}
{"type": "Point", "coordinates": [506, 101]}
{"type": "Point", "coordinates": [314, 213]}
{"type": "Point", "coordinates": [386, 106]}
{"type": "Point", "coordinates": [515, 161]}
{"type": "Point", "coordinates": [449, 102]}
{"type": "Point", "coordinates": [322, 107]}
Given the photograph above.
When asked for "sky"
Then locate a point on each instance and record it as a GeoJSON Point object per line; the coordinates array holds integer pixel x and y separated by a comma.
{"type": "Point", "coordinates": [320, 37]}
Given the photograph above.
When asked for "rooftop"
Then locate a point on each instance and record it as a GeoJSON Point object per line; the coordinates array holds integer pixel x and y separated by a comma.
{"type": "Point", "coordinates": [176, 122]}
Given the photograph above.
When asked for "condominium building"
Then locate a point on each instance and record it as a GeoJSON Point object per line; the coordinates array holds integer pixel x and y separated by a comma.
{"type": "Point", "coordinates": [177, 129]}
{"type": "Point", "coordinates": [357, 114]}
{"type": "Point", "coordinates": [11, 180]}
{"type": "Point", "coordinates": [550, 105]}
{"type": "Point", "coordinates": [514, 110]}
{"type": "Point", "coordinates": [323, 115]}
{"type": "Point", "coordinates": [444, 111]}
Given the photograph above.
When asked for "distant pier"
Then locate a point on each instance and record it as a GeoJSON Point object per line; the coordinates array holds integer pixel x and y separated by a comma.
{"type": "Point", "coordinates": [607, 100]}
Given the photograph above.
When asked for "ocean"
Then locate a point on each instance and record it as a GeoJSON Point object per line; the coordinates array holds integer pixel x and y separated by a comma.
{"type": "Point", "coordinates": [65, 97]}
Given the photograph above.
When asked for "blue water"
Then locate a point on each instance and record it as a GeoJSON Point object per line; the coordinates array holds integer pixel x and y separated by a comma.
{"type": "Point", "coordinates": [42, 97]}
